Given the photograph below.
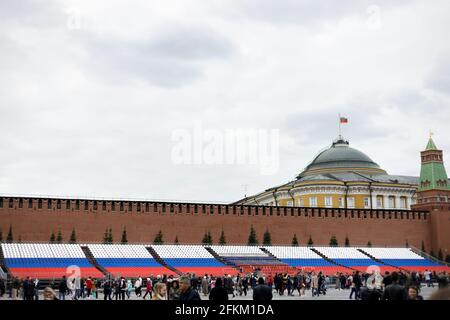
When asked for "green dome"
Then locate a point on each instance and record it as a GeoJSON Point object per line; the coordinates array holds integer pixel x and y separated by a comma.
{"type": "Point", "coordinates": [340, 157]}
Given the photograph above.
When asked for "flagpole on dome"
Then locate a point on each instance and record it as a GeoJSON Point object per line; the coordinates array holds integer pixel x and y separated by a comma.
{"type": "Point", "coordinates": [340, 136]}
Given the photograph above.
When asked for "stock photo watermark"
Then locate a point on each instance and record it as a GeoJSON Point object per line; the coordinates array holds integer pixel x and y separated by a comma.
{"type": "Point", "coordinates": [208, 146]}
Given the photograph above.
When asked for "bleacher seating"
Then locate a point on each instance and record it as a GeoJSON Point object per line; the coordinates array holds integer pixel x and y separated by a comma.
{"type": "Point", "coordinates": [192, 259]}
{"type": "Point", "coordinates": [404, 258]}
{"type": "Point", "coordinates": [352, 258]}
{"type": "Point", "coordinates": [250, 258]}
{"type": "Point", "coordinates": [304, 258]}
{"type": "Point", "coordinates": [127, 260]}
{"type": "Point", "coordinates": [47, 261]}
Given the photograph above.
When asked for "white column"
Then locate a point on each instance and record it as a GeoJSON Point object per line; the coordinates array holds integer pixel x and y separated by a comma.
{"type": "Point", "coordinates": [397, 202]}
{"type": "Point", "coordinates": [408, 202]}
{"type": "Point", "coordinates": [385, 202]}
{"type": "Point", "coordinates": [374, 200]}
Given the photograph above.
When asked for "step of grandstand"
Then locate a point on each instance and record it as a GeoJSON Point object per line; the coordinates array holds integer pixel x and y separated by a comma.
{"type": "Point", "coordinates": [353, 258]}
{"type": "Point", "coordinates": [47, 261]}
{"type": "Point", "coordinates": [3, 268]}
{"type": "Point", "coordinates": [250, 258]}
{"type": "Point", "coordinates": [303, 258]}
{"type": "Point", "coordinates": [405, 258]}
{"type": "Point", "coordinates": [384, 265]}
{"type": "Point", "coordinates": [92, 260]}
{"type": "Point", "coordinates": [127, 260]}
{"type": "Point", "coordinates": [161, 261]}
{"type": "Point", "coordinates": [192, 259]}
{"type": "Point", "coordinates": [219, 258]}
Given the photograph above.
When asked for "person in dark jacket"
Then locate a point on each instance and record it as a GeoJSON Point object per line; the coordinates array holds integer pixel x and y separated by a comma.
{"type": "Point", "coordinates": [262, 292]}
{"type": "Point", "coordinates": [187, 293]}
{"type": "Point", "coordinates": [218, 293]}
{"type": "Point", "coordinates": [394, 291]}
{"type": "Point", "coordinates": [62, 288]}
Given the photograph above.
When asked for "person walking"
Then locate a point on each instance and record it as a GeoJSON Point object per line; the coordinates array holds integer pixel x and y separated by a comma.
{"type": "Point", "coordinates": [62, 288]}
{"type": "Point", "coordinates": [218, 293]}
{"type": "Point", "coordinates": [262, 292]}
{"type": "Point", "coordinates": [187, 293]}
{"type": "Point", "coordinates": [394, 291]}
{"type": "Point", "coordinates": [148, 288]}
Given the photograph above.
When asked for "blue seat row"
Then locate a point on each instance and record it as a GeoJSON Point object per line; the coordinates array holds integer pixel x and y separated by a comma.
{"type": "Point", "coordinates": [193, 262]}
{"type": "Point", "coordinates": [357, 262]}
{"type": "Point", "coordinates": [128, 262]}
{"type": "Point", "coordinates": [46, 262]}
{"type": "Point", "coordinates": [410, 262]}
{"type": "Point", "coordinates": [307, 262]}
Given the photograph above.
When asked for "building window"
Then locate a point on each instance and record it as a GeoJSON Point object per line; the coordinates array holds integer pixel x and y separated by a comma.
{"type": "Point", "coordinates": [328, 202]}
{"type": "Point", "coordinates": [366, 202]}
{"type": "Point", "coordinates": [138, 207]}
{"type": "Point", "coordinates": [301, 203]}
{"type": "Point", "coordinates": [391, 202]}
{"type": "Point", "coordinates": [380, 202]}
{"type": "Point", "coordinates": [121, 205]}
{"type": "Point", "coordinates": [351, 202]}
{"type": "Point", "coordinates": [30, 203]}
{"type": "Point", "coordinates": [113, 206]}
{"type": "Point", "coordinates": [130, 206]}
{"type": "Point", "coordinates": [20, 203]}
{"type": "Point", "coordinates": [86, 205]}
{"type": "Point", "coordinates": [77, 205]}
{"type": "Point", "coordinates": [403, 202]}
{"type": "Point", "coordinates": [58, 204]}
{"type": "Point", "coordinates": [1, 202]}
{"type": "Point", "coordinates": [341, 202]}
{"type": "Point", "coordinates": [67, 204]}
{"type": "Point", "coordinates": [289, 203]}
{"type": "Point", "coordinates": [11, 203]}
{"type": "Point", "coordinates": [313, 201]}
{"type": "Point", "coordinates": [104, 205]}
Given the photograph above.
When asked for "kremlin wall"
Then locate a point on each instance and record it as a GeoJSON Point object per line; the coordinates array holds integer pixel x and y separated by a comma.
{"type": "Point", "coordinates": [427, 220]}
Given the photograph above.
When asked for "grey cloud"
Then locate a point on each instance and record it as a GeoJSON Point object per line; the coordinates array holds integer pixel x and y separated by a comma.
{"type": "Point", "coordinates": [174, 57]}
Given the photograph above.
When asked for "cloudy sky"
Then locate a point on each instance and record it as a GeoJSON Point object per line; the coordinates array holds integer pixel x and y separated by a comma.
{"type": "Point", "coordinates": [93, 92]}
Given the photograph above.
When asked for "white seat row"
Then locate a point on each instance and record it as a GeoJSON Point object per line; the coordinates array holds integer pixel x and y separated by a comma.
{"type": "Point", "coordinates": [182, 251]}
{"type": "Point", "coordinates": [293, 252]}
{"type": "Point", "coordinates": [119, 251]}
{"type": "Point", "coordinates": [241, 251]}
{"type": "Point", "coordinates": [341, 253]}
{"type": "Point", "coordinates": [38, 250]}
{"type": "Point", "coordinates": [392, 253]}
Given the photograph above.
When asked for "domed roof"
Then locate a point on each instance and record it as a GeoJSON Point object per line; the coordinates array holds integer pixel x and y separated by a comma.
{"type": "Point", "coordinates": [340, 157]}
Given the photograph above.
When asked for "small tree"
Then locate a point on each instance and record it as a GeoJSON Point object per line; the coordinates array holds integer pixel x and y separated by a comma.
{"type": "Point", "coordinates": [10, 237]}
{"type": "Point", "coordinates": [20, 239]}
{"type": "Point", "coordinates": [310, 241]}
{"type": "Point", "coordinates": [333, 241]}
{"type": "Point", "coordinates": [205, 239]}
{"type": "Point", "coordinates": [252, 240]}
{"type": "Point", "coordinates": [124, 239]}
{"type": "Point", "coordinates": [267, 241]}
{"type": "Point", "coordinates": [73, 237]}
{"type": "Point", "coordinates": [447, 258]}
{"type": "Point", "coordinates": [106, 236]}
{"type": "Point", "coordinates": [210, 239]}
{"type": "Point", "coordinates": [432, 254]}
{"type": "Point", "coordinates": [406, 244]}
{"type": "Point", "coordinates": [59, 237]}
{"type": "Point", "coordinates": [423, 247]}
{"type": "Point", "coordinates": [110, 236]}
{"type": "Point", "coordinates": [158, 238]}
{"type": "Point", "coordinates": [347, 241]}
{"type": "Point", "coordinates": [176, 240]}
{"type": "Point", "coordinates": [1, 235]}
{"type": "Point", "coordinates": [440, 255]}
{"type": "Point", "coordinates": [52, 237]}
{"type": "Point", "coordinates": [295, 241]}
{"type": "Point", "coordinates": [369, 244]}
{"type": "Point", "coordinates": [222, 240]}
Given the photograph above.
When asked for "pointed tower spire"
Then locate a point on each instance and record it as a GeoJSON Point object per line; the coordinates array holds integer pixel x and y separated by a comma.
{"type": "Point", "coordinates": [432, 172]}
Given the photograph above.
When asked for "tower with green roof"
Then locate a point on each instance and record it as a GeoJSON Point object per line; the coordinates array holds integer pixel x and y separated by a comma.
{"type": "Point", "coordinates": [433, 195]}
{"type": "Point", "coordinates": [432, 172]}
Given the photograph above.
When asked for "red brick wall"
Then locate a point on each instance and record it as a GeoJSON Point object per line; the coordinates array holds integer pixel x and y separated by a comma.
{"type": "Point", "coordinates": [36, 224]}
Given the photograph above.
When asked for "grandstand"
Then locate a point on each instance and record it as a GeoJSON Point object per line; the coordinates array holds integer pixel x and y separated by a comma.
{"type": "Point", "coordinates": [52, 261]}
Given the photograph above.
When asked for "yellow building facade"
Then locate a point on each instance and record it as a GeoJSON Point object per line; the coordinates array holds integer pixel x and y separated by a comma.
{"type": "Point", "coordinates": [342, 177]}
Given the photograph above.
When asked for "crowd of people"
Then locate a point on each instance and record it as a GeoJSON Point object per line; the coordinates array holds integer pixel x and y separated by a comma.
{"type": "Point", "coordinates": [374, 286]}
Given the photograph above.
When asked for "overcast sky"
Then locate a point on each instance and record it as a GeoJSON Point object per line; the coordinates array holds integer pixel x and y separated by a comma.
{"type": "Point", "coordinates": [91, 92]}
